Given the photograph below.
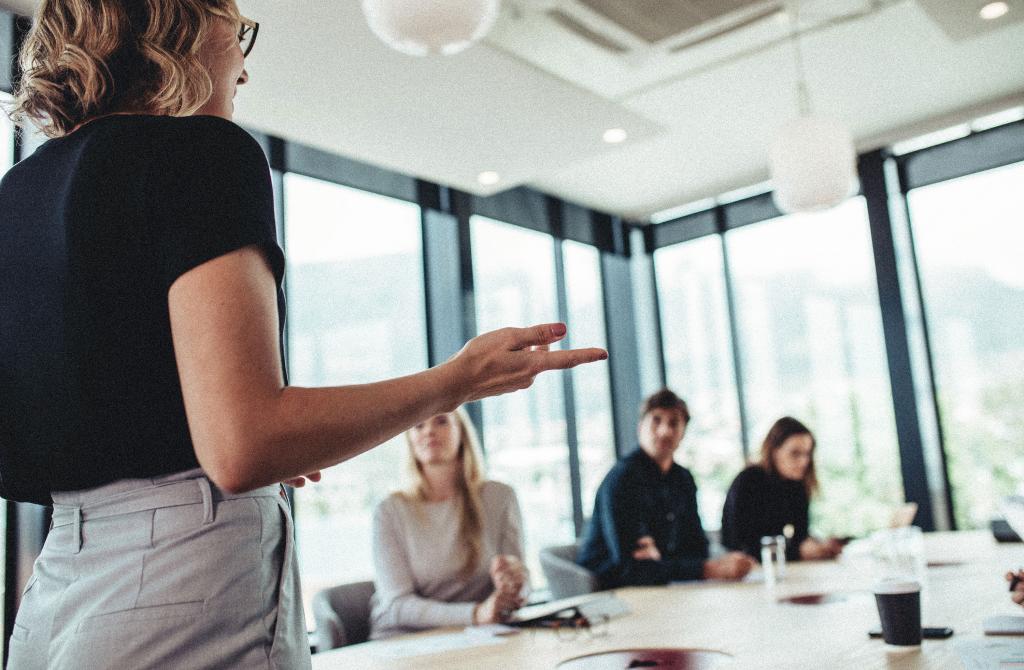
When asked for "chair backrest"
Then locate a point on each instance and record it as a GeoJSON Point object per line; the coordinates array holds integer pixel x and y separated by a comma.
{"type": "Point", "coordinates": [565, 578]}
{"type": "Point", "coordinates": [342, 615]}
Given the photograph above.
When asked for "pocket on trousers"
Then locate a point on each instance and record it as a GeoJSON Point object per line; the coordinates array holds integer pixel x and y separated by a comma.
{"type": "Point", "coordinates": [142, 615]}
{"type": "Point", "coordinates": [29, 584]}
{"type": "Point", "coordinates": [284, 591]}
{"type": "Point", "coordinates": [20, 633]}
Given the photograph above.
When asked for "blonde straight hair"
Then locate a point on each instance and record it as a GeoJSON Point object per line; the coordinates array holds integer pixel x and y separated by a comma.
{"type": "Point", "coordinates": [83, 59]}
{"type": "Point", "coordinates": [471, 523]}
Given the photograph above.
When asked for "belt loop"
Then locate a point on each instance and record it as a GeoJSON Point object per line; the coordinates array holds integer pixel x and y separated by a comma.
{"type": "Point", "coordinates": [77, 531]}
{"type": "Point", "coordinates": [204, 491]}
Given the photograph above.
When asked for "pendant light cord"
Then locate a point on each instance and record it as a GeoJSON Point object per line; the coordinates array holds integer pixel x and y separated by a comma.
{"type": "Point", "coordinates": [803, 97]}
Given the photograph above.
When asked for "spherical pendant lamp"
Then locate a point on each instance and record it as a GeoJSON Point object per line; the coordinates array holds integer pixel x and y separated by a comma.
{"type": "Point", "coordinates": [812, 159]}
{"type": "Point", "coordinates": [813, 164]}
{"type": "Point", "coordinates": [422, 27]}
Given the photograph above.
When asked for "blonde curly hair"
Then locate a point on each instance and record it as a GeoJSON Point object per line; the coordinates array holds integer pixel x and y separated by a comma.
{"type": "Point", "coordinates": [83, 59]}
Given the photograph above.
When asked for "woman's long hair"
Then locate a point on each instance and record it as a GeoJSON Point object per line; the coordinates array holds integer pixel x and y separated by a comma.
{"type": "Point", "coordinates": [470, 480]}
{"type": "Point", "coordinates": [782, 430]}
{"type": "Point", "coordinates": [83, 59]}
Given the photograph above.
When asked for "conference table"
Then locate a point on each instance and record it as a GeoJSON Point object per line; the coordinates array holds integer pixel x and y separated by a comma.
{"type": "Point", "coordinates": [756, 625]}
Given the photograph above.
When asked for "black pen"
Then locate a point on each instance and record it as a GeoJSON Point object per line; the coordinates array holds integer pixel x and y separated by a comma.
{"type": "Point", "coordinates": [1015, 580]}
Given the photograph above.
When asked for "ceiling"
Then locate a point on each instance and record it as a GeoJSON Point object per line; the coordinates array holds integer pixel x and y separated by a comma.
{"type": "Point", "coordinates": [532, 100]}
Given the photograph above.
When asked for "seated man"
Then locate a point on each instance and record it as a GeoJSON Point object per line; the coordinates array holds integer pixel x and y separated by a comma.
{"type": "Point", "coordinates": [645, 528]}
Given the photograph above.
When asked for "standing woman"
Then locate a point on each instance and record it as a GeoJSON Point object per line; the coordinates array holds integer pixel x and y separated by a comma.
{"type": "Point", "coordinates": [447, 552]}
{"type": "Point", "coordinates": [140, 352]}
{"type": "Point", "coordinates": [772, 497]}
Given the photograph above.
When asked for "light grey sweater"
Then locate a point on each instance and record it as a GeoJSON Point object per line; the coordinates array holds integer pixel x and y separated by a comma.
{"type": "Point", "coordinates": [417, 557]}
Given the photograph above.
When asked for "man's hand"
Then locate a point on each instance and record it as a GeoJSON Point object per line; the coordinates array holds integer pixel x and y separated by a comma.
{"type": "Point", "coordinates": [646, 549]}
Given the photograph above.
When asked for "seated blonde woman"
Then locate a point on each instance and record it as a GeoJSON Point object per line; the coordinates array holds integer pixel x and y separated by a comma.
{"type": "Point", "coordinates": [447, 551]}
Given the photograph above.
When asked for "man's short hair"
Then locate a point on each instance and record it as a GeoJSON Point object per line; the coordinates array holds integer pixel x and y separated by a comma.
{"type": "Point", "coordinates": [665, 399]}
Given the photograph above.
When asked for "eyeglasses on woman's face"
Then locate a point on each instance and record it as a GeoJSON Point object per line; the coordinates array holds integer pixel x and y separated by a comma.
{"type": "Point", "coordinates": [247, 32]}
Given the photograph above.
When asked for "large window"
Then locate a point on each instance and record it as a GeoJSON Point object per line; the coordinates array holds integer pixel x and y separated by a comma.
{"type": "Point", "coordinates": [969, 238]}
{"type": "Point", "coordinates": [524, 433]}
{"type": "Point", "coordinates": [355, 315]}
{"type": "Point", "coordinates": [591, 383]}
{"type": "Point", "coordinates": [699, 365]}
{"type": "Point", "coordinates": [811, 346]}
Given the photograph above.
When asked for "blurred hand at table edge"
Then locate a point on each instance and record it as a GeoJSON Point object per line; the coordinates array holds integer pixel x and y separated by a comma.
{"type": "Point", "coordinates": [1018, 591]}
{"type": "Point", "coordinates": [813, 549]}
{"type": "Point", "coordinates": [496, 608]}
{"type": "Point", "coordinates": [733, 566]}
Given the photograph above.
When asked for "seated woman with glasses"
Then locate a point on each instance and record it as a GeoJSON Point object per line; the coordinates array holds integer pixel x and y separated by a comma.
{"type": "Point", "coordinates": [447, 551]}
{"type": "Point", "coordinates": [772, 497]}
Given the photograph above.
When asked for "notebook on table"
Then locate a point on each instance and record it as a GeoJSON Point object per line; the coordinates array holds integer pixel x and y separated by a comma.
{"type": "Point", "coordinates": [592, 606]}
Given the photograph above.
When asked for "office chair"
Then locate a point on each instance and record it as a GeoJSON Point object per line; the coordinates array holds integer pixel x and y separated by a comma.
{"type": "Point", "coordinates": [342, 615]}
{"type": "Point", "coordinates": [565, 578]}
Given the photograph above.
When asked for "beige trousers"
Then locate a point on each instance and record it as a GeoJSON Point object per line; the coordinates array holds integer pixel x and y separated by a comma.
{"type": "Point", "coordinates": [167, 572]}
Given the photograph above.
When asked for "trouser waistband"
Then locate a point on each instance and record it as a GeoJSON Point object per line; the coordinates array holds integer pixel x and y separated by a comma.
{"type": "Point", "coordinates": [193, 490]}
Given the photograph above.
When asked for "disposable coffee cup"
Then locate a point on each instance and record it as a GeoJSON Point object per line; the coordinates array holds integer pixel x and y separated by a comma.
{"type": "Point", "coordinates": [899, 608]}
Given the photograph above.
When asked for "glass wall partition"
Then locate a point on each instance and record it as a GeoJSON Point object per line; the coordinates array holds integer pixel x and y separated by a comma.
{"type": "Point", "coordinates": [969, 242]}
{"type": "Point", "coordinates": [355, 314]}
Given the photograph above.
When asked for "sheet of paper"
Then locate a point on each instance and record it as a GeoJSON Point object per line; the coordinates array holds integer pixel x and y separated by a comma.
{"type": "Point", "coordinates": [492, 629]}
{"type": "Point", "coordinates": [434, 644]}
{"type": "Point", "coordinates": [991, 654]}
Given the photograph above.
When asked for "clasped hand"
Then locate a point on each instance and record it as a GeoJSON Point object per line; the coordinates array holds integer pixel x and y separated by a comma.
{"type": "Point", "coordinates": [509, 577]}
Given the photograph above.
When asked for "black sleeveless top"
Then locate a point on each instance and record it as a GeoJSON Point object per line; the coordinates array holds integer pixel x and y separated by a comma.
{"type": "Point", "coordinates": [94, 229]}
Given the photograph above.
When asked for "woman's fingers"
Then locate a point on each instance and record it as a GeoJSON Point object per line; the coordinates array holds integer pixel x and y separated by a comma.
{"type": "Point", "coordinates": [299, 482]}
{"type": "Point", "coordinates": [569, 358]}
{"type": "Point", "coordinates": [535, 336]}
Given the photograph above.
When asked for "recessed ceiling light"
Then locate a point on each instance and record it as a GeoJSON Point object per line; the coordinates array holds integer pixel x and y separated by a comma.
{"type": "Point", "coordinates": [993, 10]}
{"type": "Point", "coordinates": [614, 135]}
{"type": "Point", "coordinates": [488, 178]}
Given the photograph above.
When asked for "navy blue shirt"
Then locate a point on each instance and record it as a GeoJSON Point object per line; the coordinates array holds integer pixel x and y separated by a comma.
{"type": "Point", "coordinates": [94, 229]}
{"type": "Point", "coordinates": [636, 499]}
{"type": "Point", "coordinates": [761, 503]}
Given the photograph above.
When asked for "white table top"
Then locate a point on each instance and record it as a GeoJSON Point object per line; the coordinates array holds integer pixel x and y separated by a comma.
{"type": "Point", "coordinates": [747, 620]}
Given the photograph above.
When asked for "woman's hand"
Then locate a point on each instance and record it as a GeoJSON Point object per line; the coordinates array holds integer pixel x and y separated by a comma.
{"type": "Point", "coordinates": [509, 359]}
{"type": "Point", "coordinates": [508, 575]}
{"type": "Point", "coordinates": [817, 550]}
{"type": "Point", "coordinates": [496, 608]}
{"type": "Point", "coordinates": [299, 482]}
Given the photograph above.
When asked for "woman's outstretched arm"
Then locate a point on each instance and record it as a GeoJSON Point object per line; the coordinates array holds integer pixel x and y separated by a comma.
{"type": "Point", "coordinates": [249, 429]}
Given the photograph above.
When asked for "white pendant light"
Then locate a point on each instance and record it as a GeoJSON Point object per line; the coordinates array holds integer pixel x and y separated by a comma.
{"type": "Point", "coordinates": [422, 27]}
{"type": "Point", "coordinates": [813, 164]}
{"type": "Point", "coordinates": [812, 160]}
